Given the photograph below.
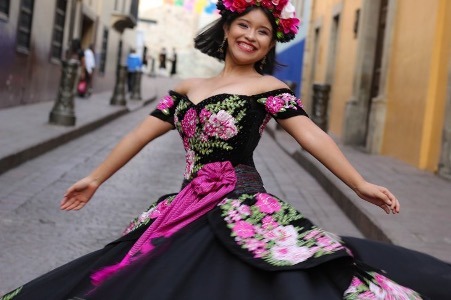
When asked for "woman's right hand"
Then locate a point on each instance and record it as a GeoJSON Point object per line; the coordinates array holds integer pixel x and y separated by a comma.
{"type": "Point", "coordinates": [78, 195]}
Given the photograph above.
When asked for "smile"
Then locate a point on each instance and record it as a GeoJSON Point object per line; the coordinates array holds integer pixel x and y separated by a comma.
{"type": "Point", "coordinates": [246, 47]}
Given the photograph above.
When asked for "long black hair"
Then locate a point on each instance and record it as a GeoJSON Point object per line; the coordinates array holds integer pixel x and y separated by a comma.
{"type": "Point", "coordinates": [211, 39]}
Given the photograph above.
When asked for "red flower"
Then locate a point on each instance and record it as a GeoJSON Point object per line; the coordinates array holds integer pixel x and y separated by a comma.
{"type": "Point", "coordinates": [289, 25]}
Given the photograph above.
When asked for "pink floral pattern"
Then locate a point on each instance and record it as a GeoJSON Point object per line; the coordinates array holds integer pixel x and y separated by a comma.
{"type": "Point", "coordinates": [372, 285]}
{"type": "Point", "coordinates": [150, 214]}
{"type": "Point", "coordinates": [165, 104]}
{"type": "Point", "coordinates": [189, 123]}
{"type": "Point", "coordinates": [221, 125]}
{"type": "Point", "coordinates": [269, 229]}
{"type": "Point", "coordinates": [280, 103]}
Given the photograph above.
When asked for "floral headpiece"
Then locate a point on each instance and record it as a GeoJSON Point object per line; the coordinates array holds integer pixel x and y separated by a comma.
{"type": "Point", "coordinates": [282, 10]}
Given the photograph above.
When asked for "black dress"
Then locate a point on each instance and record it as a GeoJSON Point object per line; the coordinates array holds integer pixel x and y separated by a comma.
{"type": "Point", "coordinates": [224, 237]}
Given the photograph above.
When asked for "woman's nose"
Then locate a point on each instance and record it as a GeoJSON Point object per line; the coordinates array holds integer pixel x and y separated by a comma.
{"type": "Point", "coordinates": [250, 35]}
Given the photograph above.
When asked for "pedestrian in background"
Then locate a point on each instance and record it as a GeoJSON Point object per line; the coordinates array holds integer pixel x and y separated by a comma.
{"type": "Point", "coordinates": [173, 63]}
{"type": "Point", "coordinates": [90, 65]}
{"type": "Point", "coordinates": [77, 53]}
{"type": "Point", "coordinates": [223, 236]}
{"type": "Point", "coordinates": [162, 57]}
{"type": "Point", "coordinates": [134, 64]}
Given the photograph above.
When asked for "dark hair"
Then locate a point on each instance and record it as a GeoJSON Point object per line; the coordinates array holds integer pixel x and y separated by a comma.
{"type": "Point", "coordinates": [211, 38]}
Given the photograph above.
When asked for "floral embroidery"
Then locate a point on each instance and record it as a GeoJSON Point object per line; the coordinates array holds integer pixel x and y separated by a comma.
{"type": "Point", "coordinates": [280, 103]}
{"type": "Point", "coordinates": [268, 230]}
{"type": "Point", "coordinates": [209, 129]}
{"type": "Point", "coordinates": [373, 285]}
{"type": "Point", "coordinates": [189, 123]}
{"type": "Point", "coordinates": [265, 122]}
{"type": "Point", "coordinates": [221, 125]}
{"type": "Point", "coordinates": [165, 104]}
{"type": "Point", "coordinates": [151, 213]}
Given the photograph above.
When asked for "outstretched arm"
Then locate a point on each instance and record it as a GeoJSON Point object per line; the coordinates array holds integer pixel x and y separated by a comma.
{"type": "Point", "coordinates": [78, 195]}
{"type": "Point", "coordinates": [322, 147]}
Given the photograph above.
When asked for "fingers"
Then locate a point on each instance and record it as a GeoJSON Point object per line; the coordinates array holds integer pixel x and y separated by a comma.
{"type": "Point", "coordinates": [390, 201]}
{"type": "Point", "coordinates": [74, 202]}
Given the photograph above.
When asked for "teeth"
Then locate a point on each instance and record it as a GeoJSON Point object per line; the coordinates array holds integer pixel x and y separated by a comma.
{"type": "Point", "coordinates": [246, 46]}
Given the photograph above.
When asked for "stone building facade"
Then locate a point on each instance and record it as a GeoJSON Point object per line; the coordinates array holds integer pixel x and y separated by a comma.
{"type": "Point", "coordinates": [35, 36]}
{"type": "Point", "coordinates": [388, 66]}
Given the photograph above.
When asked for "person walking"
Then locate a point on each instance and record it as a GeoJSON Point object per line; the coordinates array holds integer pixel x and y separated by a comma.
{"type": "Point", "coordinates": [134, 65]}
{"type": "Point", "coordinates": [222, 236]}
{"type": "Point", "coordinates": [173, 63]}
{"type": "Point", "coordinates": [90, 65]}
{"type": "Point", "coordinates": [162, 57]}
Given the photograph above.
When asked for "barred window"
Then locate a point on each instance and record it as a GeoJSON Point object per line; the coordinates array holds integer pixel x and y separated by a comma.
{"type": "Point", "coordinates": [4, 9]}
{"type": "Point", "coordinates": [104, 50]}
{"type": "Point", "coordinates": [24, 26]}
{"type": "Point", "coordinates": [58, 30]}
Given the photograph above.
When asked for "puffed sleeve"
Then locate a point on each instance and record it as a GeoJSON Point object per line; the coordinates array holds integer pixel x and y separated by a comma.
{"type": "Point", "coordinates": [282, 104]}
{"type": "Point", "coordinates": [166, 107]}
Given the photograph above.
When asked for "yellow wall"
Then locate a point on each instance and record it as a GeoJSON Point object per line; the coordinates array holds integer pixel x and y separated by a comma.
{"type": "Point", "coordinates": [344, 67]}
{"type": "Point", "coordinates": [346, 45]}
{"type": "Point", "coordinates": [417, 83]}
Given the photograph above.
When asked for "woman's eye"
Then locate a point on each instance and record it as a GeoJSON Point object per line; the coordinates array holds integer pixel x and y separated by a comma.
{"type": "Point", "coordinates": [263, 32]}
{"type": "Point", "coordinates": [242, 25]}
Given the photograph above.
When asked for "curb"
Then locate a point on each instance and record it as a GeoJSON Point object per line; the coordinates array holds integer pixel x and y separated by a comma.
{"type": "Point", "coordinates": [11, 161]}
{"type": "Point", "coordinates": [337, 190]}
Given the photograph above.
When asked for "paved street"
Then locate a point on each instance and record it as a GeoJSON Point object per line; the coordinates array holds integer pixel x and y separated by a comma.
{"type": "Point", "coordinates": [36, 236]}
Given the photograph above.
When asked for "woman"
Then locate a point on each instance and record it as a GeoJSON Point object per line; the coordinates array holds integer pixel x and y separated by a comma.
{"type": "Point", "coordinates": [223, 236]}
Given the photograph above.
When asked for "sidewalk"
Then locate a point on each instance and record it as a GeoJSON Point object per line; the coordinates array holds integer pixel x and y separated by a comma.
{"type": "Point", "coordinates": [25, 132]}
{"type": "Point", "coordinates": [424, 223]}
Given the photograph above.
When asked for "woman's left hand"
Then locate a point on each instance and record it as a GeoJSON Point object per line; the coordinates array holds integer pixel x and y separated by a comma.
{"type": "Point", "coordinates": [379, 196]}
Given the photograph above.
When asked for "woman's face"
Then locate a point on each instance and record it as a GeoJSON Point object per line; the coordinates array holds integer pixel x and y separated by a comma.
{"type": "Point", "coordinates": [249, 37]}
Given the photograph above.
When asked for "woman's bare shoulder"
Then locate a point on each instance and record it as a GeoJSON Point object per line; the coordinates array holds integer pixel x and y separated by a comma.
{"type": "Point", "coordinates": [186, 85]}
{"type": "Point", "coordinates": [269, 83]}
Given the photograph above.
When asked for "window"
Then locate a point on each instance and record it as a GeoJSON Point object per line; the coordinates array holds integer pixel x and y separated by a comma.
{"type": "Point", "coordinates": [4, 9]}
{"type": "Point", "coordinates": [24, 27]}
{"type": "Point", "coordinates": [103, 51]}
{"type": "Point", "coordinates": [58, 30]}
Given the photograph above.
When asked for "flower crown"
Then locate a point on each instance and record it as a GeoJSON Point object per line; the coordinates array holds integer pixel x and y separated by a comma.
{"type": "Point", "coordinates": [282, 10]}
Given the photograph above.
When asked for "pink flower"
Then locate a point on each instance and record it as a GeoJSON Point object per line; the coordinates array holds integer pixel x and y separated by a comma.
{"type": "Point", "coordinates": [269, 223]}
{"type": "Point", "coordinates": [165, 103]}
{"type": "Point", "coordinates": [267, 203]}
{"type": "Point", "coordinates": [274, 104]}
{"type": "Point", "coordinates": [221, 125]}
{"type": "Point", "coordinates": [189, 123]}
{"type": "Point", "coordinates": [311, 234]}
{"type": "Point", "coordinates": [190, 157]}
{"type": "Point", "coordinates": [265, 122]}
{"type": "Point", "coordinates": [244, 210]}
{"type": "Point", "coordinates": [243, 229]}
{"type": "Point", "coordinates": [291, 254]}
{"type": "Point", "coordinates": [159, 209]}
{"type": "Point", "coordinates": [285, 235]}
{"type": "Point", "coordinates": [254, 244]}
{"type": "Point", "coordinates": [204, 115]}
{"type": "Point", "coordinates": [393, 289]}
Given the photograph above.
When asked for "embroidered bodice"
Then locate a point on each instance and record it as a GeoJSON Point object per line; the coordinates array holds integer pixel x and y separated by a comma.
{"type": "Point", "coordinates": [224, 127]}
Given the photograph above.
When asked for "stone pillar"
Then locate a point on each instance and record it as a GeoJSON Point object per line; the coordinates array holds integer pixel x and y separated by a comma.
{"type": "Point", "coordinates": [118, 97]}
{"type": "Point", "coordinates": [320, 102]}
{"type": "Point", "coordinates": [136, 86]}
{"type": "Point", "coordinates": [63, 110]}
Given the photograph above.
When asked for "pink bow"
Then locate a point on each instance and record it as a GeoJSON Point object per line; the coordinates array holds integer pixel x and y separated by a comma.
{"type": "Point", "coordinates": [213, 182]}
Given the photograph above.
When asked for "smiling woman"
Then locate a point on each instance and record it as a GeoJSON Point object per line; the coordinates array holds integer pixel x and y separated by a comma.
{"type": "Point", "coordinates": [223, 236]}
